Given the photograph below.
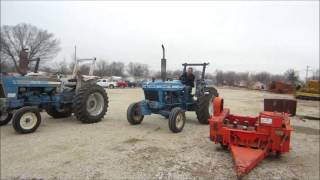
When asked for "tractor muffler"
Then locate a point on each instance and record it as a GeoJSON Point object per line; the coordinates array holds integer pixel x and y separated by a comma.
{"type": "Point", "coordinates": [163, 65]}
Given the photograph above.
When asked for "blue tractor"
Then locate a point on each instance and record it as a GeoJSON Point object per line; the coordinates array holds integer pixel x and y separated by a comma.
{"type": "Point", "coordinates": [23, 97]}
{"type": "Point", "coordinates": [169, 99]}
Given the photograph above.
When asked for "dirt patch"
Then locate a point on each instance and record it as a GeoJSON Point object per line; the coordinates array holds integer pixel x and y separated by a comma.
{"type": "Point", "coordinates": [306, 130]}
{"type": "Point", "coordinates": [149, 150]}
{"type": "Point", "coordinates": [309, 117]}
{"type": "Point", "coordinates": [157, 128]}
{"type": "Point", "coordinates": [113, 149]}
{"type": "Point", "coordinates": [132, 141]}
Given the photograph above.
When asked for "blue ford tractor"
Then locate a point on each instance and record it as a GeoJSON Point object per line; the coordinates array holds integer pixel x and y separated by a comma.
{"type": "Point", "coordinates": [23, 97]}
{"type": "Point", "coordinates": [168, 98]}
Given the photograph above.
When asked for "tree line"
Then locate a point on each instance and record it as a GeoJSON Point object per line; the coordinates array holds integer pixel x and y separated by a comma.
{"type": "Point", "coordinates": [232, 78]}
{"type": "Point", "coordinates": [104, 68]}
{"type": "Point", "coordinates": [43, 44]}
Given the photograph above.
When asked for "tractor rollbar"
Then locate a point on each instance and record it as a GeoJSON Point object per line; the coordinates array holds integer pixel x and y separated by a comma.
{"type": "Point", "coordinates": [204, 65]}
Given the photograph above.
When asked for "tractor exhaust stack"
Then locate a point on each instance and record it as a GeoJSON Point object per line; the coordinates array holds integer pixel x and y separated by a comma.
{"type": "Point", "coordinates": [163, 65]}
{"type": "Point", "coordinates": [24, 62]}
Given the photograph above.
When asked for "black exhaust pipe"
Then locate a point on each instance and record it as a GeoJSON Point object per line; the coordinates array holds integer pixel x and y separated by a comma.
{"type": "Point", "coordinates": [163, 65]}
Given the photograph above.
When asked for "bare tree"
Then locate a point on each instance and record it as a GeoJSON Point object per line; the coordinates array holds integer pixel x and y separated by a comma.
{"type": "Point", "coordinates": [277, 77]}
{"type": "Point", "coordinates": [156, 75]}
{"type": "Point", "coordinates": [197, 74]}
{"type": "Point", "coordinates": [219, 77]}
{"type": "Point", "coordinates": [137, 70]}
{"type": "Point", "coordinates": [230, 78]}
{"type": "Point", "coordinates": [6, 66]}
{"type": "Point", "coordinates": [39, 42]}
{"type": "Point", "coordinates": [263, 77]}
{"type": "Point", "coordinates": [316, 75]}
{"type": "Point", "coordinates": [48, 69]}
{"type": "Point", "coordinates": [84, 69]}
{"type": "Point", "coordinates": [209, 76]}
{"type": "Point", "coordinates": [61, 67]}
{"type": "Point", "coordinates": [292, 76]}
{"type": "Point", "coordinates": [243, 76]}
{"type": "Point", "coordinates": [71, 65]}
{"type": "Point", "coordinates": [102, 68]}
{"type": "Point", "coordinates": [172, 74]}
{"type": "Point", "coordinates": [176, 73]}
{"type": "Point", "coordinates": [117, 68]}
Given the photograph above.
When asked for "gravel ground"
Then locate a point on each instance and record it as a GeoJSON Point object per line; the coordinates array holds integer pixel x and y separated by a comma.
{"type": "Point", "coordinates": [113, 149]}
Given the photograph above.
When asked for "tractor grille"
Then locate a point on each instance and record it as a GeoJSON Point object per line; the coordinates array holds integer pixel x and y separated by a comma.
{"type": "Point", "coordinates": [151, 95]}
{"type": "Point", "coordinates": [1, 92]}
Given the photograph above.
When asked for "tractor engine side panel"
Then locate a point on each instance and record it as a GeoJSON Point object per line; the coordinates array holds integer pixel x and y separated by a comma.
{"type": "Point", "coordinates": [22, 91]}
{"type": "Point", "coordinates": [161, 96]}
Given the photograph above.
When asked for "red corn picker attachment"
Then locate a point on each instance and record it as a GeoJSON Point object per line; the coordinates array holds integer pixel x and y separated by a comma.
{"type": "Point", "coordinates": [250, 139]}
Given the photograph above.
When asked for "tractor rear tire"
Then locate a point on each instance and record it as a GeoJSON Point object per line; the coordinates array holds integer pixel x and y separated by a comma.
{"type": "Point", "coordinates": [134, 115]}
{"type": "Point", "coordinates": [90, 104]}
{"type": "Point", "coordinates": [26, 120]}
{"type": "Point", "coordinates": [5, 118]}
{"type": "Point", "coordinates": [202, 110]}
{"type": "Point", "coordinates": [55, 113]}
{"type": "Point", "coordinates": [177, 119]}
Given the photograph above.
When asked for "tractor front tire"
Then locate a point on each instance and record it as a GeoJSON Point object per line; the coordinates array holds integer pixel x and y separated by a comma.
{"type": "Point", "coordinates": [90, 104]}
{"type": "Point", "coordinates": [177, 119]}
{"type": "Point", "coordinates": [134, 115]}
{"type": "Point", "coordinates": [5, 118]}
{"type": "Point", "coordinates": [26, 120]}
{"type": "Point", "coordinates": [202, 110]}
{"type": "Point", "coordinates": [55, 113]}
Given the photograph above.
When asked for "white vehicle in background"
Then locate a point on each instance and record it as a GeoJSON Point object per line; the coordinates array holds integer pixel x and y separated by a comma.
{"type": "Point", "coordinates": [106, 83]}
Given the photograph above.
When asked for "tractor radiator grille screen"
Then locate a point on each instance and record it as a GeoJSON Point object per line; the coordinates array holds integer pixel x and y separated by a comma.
{"type": "Point", "coordinates": [151, 95]}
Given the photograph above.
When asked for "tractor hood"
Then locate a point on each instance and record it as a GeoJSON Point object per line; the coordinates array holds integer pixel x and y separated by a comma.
{"type": "Point", "coordinates": [163, 85]}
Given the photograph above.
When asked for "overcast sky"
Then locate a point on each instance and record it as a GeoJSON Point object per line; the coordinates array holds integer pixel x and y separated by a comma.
{"type": "Point", "coordinates": [240, 35]}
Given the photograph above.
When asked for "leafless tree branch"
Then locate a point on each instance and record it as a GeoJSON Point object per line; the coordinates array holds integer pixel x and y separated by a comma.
{"type": "Point", "coordinates": [40, 43]}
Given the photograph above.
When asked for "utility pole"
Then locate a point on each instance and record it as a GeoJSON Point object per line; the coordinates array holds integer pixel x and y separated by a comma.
{"type": "Point", "coordinates": [75, 67]}
{"type": "Point", "coordinates": [307, 73]}
{"type": "Point", "coordinates": [75, 53]}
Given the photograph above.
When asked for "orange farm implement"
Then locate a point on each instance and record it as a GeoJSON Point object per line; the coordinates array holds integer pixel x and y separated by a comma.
{"type": "Point", "coordinates": [250, 139]}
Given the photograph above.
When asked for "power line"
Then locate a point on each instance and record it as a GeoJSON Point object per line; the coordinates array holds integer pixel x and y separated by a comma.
{"type": "Point", "coordinates": [307, 71]}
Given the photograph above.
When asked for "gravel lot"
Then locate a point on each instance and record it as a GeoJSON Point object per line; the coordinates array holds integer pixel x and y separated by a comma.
{"type": "Point", "coordinates": [113, 149]}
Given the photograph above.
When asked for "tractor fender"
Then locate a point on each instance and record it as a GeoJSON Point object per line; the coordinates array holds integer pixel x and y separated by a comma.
{"type": "Point", "coordinates": [3, 105]}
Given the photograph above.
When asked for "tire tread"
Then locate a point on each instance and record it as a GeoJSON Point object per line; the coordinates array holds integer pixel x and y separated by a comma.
{"type": "Point", "coordinates": [79, 101]}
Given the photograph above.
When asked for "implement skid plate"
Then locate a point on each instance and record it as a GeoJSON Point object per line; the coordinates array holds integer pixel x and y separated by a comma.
{"type": "Point", "coordinates": [245, 158]}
